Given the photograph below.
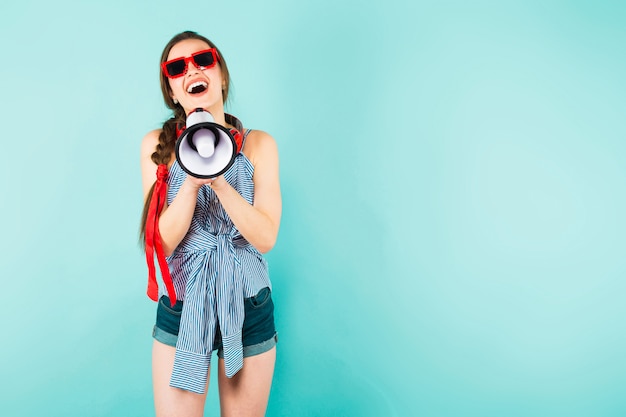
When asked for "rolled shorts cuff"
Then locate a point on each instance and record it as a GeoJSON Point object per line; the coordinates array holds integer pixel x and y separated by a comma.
{"type": "Point", "coordinates": [164, 337]}
{"type": "Point", "coordinates": [254, 350]}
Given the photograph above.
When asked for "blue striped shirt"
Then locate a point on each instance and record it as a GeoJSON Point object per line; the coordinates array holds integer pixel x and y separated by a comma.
{"type": "Point", "coordinates": [213, 269]}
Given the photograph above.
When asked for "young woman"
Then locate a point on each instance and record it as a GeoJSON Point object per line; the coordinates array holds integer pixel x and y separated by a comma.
{"type": "Point", "coordinates": [213, 233]}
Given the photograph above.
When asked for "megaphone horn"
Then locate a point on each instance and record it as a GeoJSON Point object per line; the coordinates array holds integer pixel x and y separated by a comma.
{"type": "Point", "coordinates": [206, 149]}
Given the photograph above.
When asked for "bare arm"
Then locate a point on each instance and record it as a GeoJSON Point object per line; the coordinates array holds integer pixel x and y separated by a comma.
{"type": "Point", "coordinates": [176, 218]}
{"type": "Point", "coordinates": [258, 223]}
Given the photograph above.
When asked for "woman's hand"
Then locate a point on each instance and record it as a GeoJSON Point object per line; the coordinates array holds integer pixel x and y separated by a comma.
{"type": "Point", "coordinates": [218, 183]}
{"type": "Point", "coordinates": [199, 182]}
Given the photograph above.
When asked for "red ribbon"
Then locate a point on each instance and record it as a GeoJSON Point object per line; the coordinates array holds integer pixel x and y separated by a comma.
{"type": "Point", "coordinates": [153, 239]}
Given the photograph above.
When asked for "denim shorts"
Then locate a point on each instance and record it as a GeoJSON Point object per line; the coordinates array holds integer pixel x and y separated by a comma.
{"type": "Point", "coordinates": [258, 333]}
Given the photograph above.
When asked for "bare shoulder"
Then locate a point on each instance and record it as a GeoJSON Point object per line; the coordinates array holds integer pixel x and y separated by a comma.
{"type": "Point", "coordinates": [149, 142]}
{"type": "Point", "coordinates": [259, 146]}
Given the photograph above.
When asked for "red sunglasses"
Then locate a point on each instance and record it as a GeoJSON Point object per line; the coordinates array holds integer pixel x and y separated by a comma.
{"type": "Point", "coordinates": [178, 67]}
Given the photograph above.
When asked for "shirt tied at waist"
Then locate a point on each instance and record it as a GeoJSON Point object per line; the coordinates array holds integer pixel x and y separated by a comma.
{"type": "Point", "coordinates": [216, 261]}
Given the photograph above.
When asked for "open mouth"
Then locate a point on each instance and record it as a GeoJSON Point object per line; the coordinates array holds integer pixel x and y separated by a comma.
{"type": "Point", "coordinates": [197, 87]}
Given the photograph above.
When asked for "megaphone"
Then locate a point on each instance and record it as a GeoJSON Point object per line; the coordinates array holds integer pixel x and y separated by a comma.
{"type": "Point", "coordinates": [206, 149]}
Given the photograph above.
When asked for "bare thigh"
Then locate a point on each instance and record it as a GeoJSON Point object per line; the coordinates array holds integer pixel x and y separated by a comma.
{"type": "Point", "coordinates": [168, 401]}
{"type": "Point", "coordinates": [247, 393]}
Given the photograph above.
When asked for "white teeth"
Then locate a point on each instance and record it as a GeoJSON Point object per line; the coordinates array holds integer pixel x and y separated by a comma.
{"type": "Point", "coordinates": [196, 84]}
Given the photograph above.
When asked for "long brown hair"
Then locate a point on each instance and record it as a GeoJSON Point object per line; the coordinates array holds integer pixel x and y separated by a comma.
{"type": "Point", "coordinates": [167, 137]}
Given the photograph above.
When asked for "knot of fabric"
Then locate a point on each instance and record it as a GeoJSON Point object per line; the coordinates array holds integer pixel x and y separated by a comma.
{"type": "Point", "coordinates": [153, 240]}
{"type": "Point", "coordinates": [203, 311]}
{"type": "Point", "coordinates": [162, 172]}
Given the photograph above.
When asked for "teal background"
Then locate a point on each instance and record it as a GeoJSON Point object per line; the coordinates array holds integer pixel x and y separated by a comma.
{"type": "Point", "coordinates": [453, 176]}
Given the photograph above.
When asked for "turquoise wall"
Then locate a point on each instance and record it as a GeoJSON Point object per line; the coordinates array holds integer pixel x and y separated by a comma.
{"type": "Point", "coordinates": [453, 176]}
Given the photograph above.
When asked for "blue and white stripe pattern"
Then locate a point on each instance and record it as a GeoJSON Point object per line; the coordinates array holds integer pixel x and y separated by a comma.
{"type": "Point", "coordinates": [213, 268]}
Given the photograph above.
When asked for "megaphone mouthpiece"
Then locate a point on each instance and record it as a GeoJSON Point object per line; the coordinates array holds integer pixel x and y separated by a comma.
{"type": "Point", "coordinates": [204, 141]}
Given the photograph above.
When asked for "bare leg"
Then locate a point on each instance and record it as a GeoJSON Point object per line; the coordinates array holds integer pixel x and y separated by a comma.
{"type": "Point", "coordinates": [168, 401]}
{"type": "Point", "coordinates": [247, 393]}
